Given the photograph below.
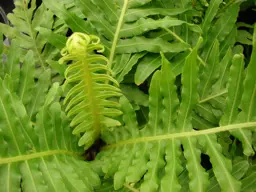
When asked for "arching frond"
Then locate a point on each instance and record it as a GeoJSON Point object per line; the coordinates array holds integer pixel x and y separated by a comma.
{"type": "Point", "coordinates": [129, 29]}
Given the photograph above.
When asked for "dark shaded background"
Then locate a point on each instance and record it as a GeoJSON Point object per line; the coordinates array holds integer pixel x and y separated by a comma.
{"type": "Point", "coordinates": [7, 6]}
{"type": "Point", "coordinates": [245, 13]}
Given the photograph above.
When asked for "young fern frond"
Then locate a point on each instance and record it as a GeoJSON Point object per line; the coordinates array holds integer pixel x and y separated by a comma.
{"type": "Point", "coordinates": [88, 101]}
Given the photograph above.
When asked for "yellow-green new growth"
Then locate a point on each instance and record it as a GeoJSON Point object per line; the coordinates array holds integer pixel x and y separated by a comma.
{"type": "Point", "coordinates": [88, 101]}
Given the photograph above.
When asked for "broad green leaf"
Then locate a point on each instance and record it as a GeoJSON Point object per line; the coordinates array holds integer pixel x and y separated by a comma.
{"type": "Point", "coordinates": [210, 72]}
{"type": "Point", "coordinates": [125, 67]}
{"type": "Point", "coordinates": [221, 29]}
{"type": "Point", "coordinates": [55, 39]}
{"type": "Point", "coordinates": [225, 23]}
{"type": "Point", "coordinates": [143, 25]}
{"type": "Point", "coordinates": [229, 41]}
{"type": "Point", "coordinates": [27, 75]}
{"type": "Point", "coordinates": [240, 168]}
{"type": "Point", "coordinates": [204, 3]}
{"type": "Point", "coordinates": [39, 91]}
{"type": "Point", "coordinates": [12, 64]}
{"type": "Point", "coordinates": [249, 183]}
{"type": "Point", "coordinates": [138, 44]}
{"type": "Point", "coordinates": [76, 23]}
{"type": "Point", "coordinates": [134, 94]}
{"type": "Point", "coordinates": [146, 67]}
{"type": "Point", "coordinates": [233, 101]}
{"type": "Point", "coordinates": [189, 97]}
{"type": "Point", "coordinates": [214, 80]}
{"type": "Point", "coordinates": [21, 79]}
{"type": "Point", "coordinates": [224, 72]}
{"type": "Point", "coordinates": [221, 165]}
{"type": "Point", "coordinates": [169, 115]}
{"type": "Point", "coordinates": [199, 122]}
{"type": "Point", "coordinates": [244, 37]}
{"type": "Point", "coordinates": [135, 14]}
{"type": "Point", "coordinates": [248, 101]}
{"type": "Point", "coordinates": [178, 63]}
{"type": "Point", "coordinates": [205, 110]}
{"type": "Point", "coordinates": [210, 14]}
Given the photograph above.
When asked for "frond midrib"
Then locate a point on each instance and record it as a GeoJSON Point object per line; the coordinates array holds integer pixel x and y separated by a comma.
{"type": "Point", "coordinates": [37, 155]}
{"type": "Point", "coordinates": [210, 97]}
{"type": "Point", "coordinates": [33, 38]}
{"type": "Point", "coordinates": [184, 134]}
{"type": "Point", "coordinates": [117, 32]}
{"type": "Point", "coordinates": [91, 95]}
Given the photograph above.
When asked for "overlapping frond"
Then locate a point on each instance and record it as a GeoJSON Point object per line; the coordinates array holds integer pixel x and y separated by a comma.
{"type": "Point", "coordinates": [89, 102]}
{"type": "Point", "coordinates": [128, 29]}
{"type": "Point", "coordinates": [218, 94]}
{"type": "Point", "coordinates": [155, 157]}
{"type": "Point", "coordinates": [30, 89]}
{"type": "Point", "coordinates": [26, 20]}
{"type": "Point", "coordinates": [37, 150]}
{"type": "Point", "coordinates": [40, 157]}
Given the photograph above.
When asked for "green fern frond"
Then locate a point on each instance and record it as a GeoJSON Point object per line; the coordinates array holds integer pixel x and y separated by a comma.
{"type": "Point", "coordinates": [30, 89]}
{"type": "Point", "coordinates": [88, 101]}
{"type": "Point", "coordinates": [223, 95]}
{"type": "Point", "coordinates": [221, 29]}
{"type": "Point", "coordinates": [43, 157]}
{"type": "Point", "coordinates": [127, 29]}
{"type": "Point", "coordinates": [151, 158]}
{"type": "Point", "coordinates": [26, 19]}
{"type": "Point", "coordinates": [37, 149]}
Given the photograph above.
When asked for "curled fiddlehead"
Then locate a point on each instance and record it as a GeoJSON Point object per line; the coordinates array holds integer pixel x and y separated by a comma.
{"type": "Point", "coordinates": [89, 102]}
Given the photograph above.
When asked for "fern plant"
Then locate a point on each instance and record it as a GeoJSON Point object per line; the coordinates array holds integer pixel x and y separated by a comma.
{"type": "Point", "coordinates": [189, 126]}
